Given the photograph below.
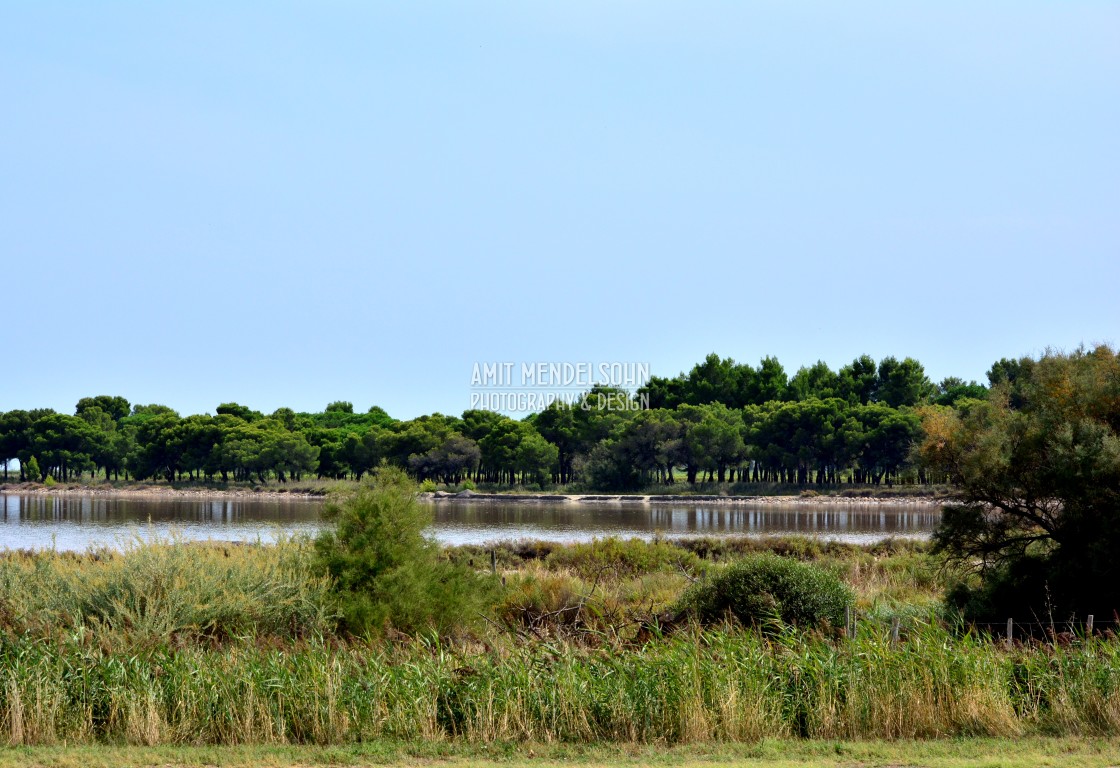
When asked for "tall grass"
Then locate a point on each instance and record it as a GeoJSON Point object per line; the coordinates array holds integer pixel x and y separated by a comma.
{"type": "Point", "coordinates": [164, 591]}
{"type": "Point", "coordinates": [701, 686]}
{"type": "Point", "coordinates": [171, 643]}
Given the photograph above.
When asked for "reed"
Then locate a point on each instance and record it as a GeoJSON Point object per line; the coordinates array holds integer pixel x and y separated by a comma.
{"type": "Point", "coordinates": [174, 644]}
{"type": "Point", "coordinates": [724, 685]}
{"type": "Point", "coordinates": [151, 593]}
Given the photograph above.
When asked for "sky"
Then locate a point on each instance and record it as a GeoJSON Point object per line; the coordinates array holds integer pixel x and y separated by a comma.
{"type": "Point", "coordinates": [292, 203]}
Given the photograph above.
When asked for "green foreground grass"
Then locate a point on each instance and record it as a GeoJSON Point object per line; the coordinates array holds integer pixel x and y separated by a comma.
{"type": "Point", "coordinates": [177, 645]}
{"type": "Point", "coordinates": [947, 753]}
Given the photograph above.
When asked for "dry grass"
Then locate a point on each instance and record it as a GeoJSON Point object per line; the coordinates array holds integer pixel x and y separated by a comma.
{"type": "Point", "coordinates": [165, 591]}
{"type": "Point", "coordinates": [172, 644]}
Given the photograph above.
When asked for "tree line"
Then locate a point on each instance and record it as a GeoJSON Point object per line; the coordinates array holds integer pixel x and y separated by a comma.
{"type": "Point", "coordinates": [722, 421]}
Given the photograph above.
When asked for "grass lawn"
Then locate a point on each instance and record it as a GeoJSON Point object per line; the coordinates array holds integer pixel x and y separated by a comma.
{"type": "Point", "coordinates": [949, 753]}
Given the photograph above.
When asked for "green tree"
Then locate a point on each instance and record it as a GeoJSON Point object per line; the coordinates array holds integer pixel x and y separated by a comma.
{"type": "Point", "coordinates": [903, 383]}
{"type": "Point", "coordinates": [859, 380]}
{"type": "Point", "coordinates": [952, 390]}
{"type": "Point", "coordinates": [332, 454]}
{"type": "Point", "coordinates": [116, 407]}
{"type": "Point", "coordinates": [1011, 375]}
{"type": "Point", "coordinates": [817, 381]}
{"type": "Point", "coordinates": [288, 454]}
{"type": "Point", "coordinates": [650, 443]}
{"type": "Point", "coordinates": [1036, 489]}
{"type": "Point", "coordinates": [379, 416]}
{"type": "Point", "coordinates": [153, 409]}
{"type": "Point", "coordinates": [290, 419]}
{"type": "Point", "coordinates": [450, 461]}
{"type": "Point", "coordinates": [63, 444]}
{"type": "Point", "coordinates": [194, 440]}
{"type": "Point", "coordinates": [802, 437]}
{"type": "Point", "coordinates": [535, 458]}
{"type": "Point", "coordinates": [419, 436]}
{"type": "Point", "coordinates": [771, 382]}
{"type": "Point", "coordinates": [717, 380]}
{"type": "Point", "coordinates": [386, 573]}
{"type": "Point", "coordinates": [107, 448]}
{"type": "Point", "coordinates": [243, 412]}
{"type": "Point", "coordinates": [362, 451]}
{"type": "Point", "coordinates": [498, 449]}
{"type": "Point", "coordinates": [560, 425]}
{"type": "Point", "coordinates": [711, 438]}
{"type": "Point", "coordinates": [888, 436]}
{"type": "Point", "coordinates": [158, 444]}
{"type": "Point", "coordinates": [13, 439]}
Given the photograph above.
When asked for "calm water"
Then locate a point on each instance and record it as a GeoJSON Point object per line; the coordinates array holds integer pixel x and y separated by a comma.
{"type": "Point", "coordinates": [78, 522]}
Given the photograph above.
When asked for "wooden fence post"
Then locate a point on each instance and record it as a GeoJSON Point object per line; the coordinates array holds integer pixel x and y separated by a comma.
{"type": "Point", "coordinates": [494, 561]}
{"type": "Point", "coordinates": [1010, 630]}
{"type": "Point", "coordinates": [1089, 626]}
{"type": "Point", "coordinates": [895, 622]}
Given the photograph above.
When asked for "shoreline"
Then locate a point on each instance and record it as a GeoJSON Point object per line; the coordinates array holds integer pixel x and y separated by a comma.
{"type": "Point", "coordinates": [158, 492]}
{"type": "Point", "coordinates": [657, 499]}
{"type": "Point", "coordinates": [436, 497]}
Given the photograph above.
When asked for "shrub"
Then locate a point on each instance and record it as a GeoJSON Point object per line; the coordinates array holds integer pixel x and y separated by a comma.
{"type": "Point", "coordinates": [622, 558]}
{"type": "Point", "coordinates": [761, 588]}
{"type": "Point", "coordinates": [385, 572]}
{"type": "Point", "coordinates": [537, 597]}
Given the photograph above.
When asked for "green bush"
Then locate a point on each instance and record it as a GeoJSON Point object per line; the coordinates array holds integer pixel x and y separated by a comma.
{"type": "Point", "coordinates": [763, 588]}
{"type": "Point", "coordinates": [623, 558]}
{"type": "Point", "coordinates": [386, 573]}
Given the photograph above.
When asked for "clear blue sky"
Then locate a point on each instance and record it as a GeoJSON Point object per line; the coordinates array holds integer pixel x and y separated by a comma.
{"type": "Point", "coordinates": [293, 203]}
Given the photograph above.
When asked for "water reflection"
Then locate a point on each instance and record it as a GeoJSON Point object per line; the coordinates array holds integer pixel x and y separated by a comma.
{"type": "Point", "coordinates": [463, 523]}
{"type": "Point", "coordinates": [78, 522]}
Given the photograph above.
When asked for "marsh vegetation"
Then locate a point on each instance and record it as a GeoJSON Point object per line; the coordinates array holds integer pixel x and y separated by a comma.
{"type": "Point", "coordinates": [173, 643]}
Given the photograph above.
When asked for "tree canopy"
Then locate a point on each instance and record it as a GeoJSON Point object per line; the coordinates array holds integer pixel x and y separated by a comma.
{"type": "Point", "coordinates": [1036, 471]}
{"type": "Point", "coordinates": [722, 422]}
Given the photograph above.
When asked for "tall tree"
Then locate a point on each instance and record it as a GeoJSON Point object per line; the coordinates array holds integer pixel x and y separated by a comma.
{"type": "Point", "coordinates": [859, 380]}
{"type": "Point", "coordinates": [1037, 489]}
{"type": "Point", "coordinates": [14, 439]}
{"type": "Point", "coordinates": [903, 383]}
{"type": "Point", "coordinates": [817, 381]}
{"type": "Point", "coordinates": [115, 406]}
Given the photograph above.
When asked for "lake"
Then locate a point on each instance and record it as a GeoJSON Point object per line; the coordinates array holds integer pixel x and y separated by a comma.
{"type": "Point", "coordinates": [71, 522]}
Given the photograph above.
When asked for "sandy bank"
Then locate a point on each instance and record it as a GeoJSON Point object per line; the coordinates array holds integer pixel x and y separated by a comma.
{"type": "Point", "coordinates": [158, 492]}
{"type": "Point", "coordinates": [143, 491]}
{"type": "Point", "coordinates": [598, 498]}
